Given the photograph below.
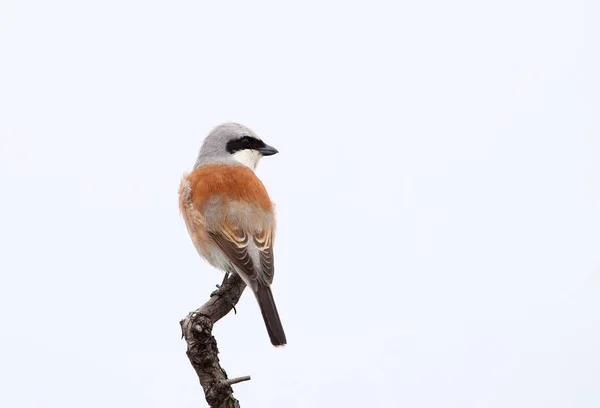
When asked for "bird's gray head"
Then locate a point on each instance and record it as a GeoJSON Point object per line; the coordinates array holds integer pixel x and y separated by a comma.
{"type": "Point", "coordinates": [231, 142]}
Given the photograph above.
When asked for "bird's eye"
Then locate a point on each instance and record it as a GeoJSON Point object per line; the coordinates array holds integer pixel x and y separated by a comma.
{"type": "Point", "coordinates": [246, 142]}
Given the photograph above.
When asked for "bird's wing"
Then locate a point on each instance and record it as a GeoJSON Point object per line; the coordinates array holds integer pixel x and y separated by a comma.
{"type": "Point", "coordinates": [234, 242]}
{"type": "Point", "coordinates": [264, 244]}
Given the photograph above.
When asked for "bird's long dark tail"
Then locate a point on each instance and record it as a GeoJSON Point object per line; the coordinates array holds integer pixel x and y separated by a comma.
{"type": "Point", "coordinates": [270, 315]}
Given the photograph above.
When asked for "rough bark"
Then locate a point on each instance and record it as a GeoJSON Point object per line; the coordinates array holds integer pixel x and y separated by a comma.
{"type": "Point", "coordinates": [202, 347]}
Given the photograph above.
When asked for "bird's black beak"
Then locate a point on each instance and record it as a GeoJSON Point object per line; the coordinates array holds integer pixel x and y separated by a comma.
{"type": "Point", "coordinates": [267, 150]}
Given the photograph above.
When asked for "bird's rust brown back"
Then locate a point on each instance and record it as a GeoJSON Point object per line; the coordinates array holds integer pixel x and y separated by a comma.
{"type": "Point", "coordinates": [235, 183]}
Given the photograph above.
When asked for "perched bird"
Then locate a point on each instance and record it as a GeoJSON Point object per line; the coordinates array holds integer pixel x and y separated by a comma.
{"type": "Point", "coordinates": [230, 216]}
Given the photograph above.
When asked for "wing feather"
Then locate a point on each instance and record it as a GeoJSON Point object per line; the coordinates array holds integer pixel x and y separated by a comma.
{"type": "Point", "coordinates": [264, 243]}
{"type": "Point", "coordinates": [234, 243]}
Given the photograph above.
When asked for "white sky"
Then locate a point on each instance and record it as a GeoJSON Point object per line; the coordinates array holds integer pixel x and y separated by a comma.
{"type": "Point", "coordinates": [438, 193]}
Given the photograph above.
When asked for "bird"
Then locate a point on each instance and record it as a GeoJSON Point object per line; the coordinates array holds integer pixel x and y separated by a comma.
{"type": "Point", "coordinates": [230, 216]}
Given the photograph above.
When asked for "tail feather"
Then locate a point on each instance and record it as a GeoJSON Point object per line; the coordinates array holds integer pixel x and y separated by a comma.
{"type": "Point", "coordinates": [264, 296]}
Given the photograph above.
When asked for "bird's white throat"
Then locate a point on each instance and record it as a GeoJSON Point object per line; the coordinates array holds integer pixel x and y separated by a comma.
{"type": "Point", "coordinates": [248, 157]}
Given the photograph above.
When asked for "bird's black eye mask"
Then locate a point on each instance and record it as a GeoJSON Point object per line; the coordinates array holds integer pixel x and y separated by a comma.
{"type": "Point", "coordinates": [244, 143]}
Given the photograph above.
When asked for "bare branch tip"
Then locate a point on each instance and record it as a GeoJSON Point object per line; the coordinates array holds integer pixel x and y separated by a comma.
{"type": "Point", "coordinates": [236, 380]}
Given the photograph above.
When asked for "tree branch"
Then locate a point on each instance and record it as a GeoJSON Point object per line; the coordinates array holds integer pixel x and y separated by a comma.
{"type": "Point", "coordinates": [202, 349]}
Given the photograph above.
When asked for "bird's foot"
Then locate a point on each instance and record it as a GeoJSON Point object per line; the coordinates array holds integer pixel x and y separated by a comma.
{"type": "Point", "coordinates": [219, 286]}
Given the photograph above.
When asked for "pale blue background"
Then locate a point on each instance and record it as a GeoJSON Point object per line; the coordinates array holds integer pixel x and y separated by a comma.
{"type": "Point", "coordinates": [438, 193]}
